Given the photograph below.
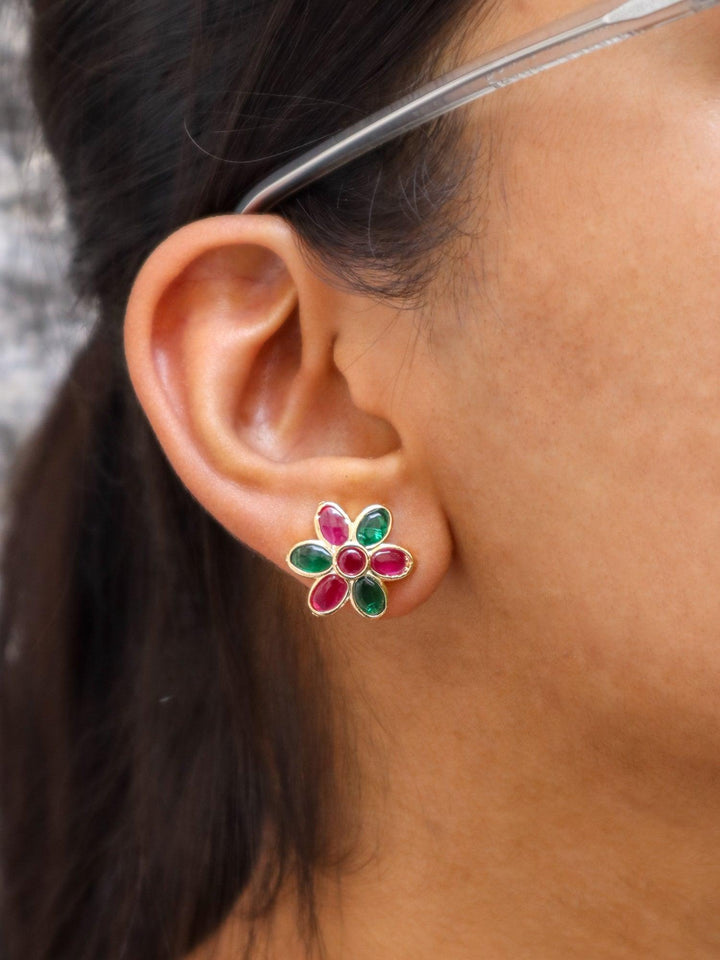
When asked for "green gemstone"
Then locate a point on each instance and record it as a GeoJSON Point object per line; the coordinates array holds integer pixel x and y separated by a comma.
{"type": "Point", "coordinates": [373, 527]}
{"type": "Point", "coordinates": [311, 558]}
{"type": "Point", "coordinates": [369, 596]}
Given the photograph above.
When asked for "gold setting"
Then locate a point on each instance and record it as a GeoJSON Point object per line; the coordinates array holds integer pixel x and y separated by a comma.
{"type": "Point", "coordinates": [379, 580]}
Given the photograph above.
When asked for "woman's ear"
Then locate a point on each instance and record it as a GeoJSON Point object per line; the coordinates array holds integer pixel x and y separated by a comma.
{"type": "Point", "coordinates": [230, 344]}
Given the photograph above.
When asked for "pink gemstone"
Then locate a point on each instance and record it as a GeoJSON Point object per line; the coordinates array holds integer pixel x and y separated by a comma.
{"type": "Point", "coordinates": [328, 593]}
{"type": "Point", "coordinates": [333, 525]}
{"type": "Point", "coordinates": [351, 561]}
{"type": "Point", "coordinates": [390, 562]}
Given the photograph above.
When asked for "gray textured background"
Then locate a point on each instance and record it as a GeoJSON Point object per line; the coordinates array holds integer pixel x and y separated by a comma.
{"type": "Point", "coordinates": [40, 325]}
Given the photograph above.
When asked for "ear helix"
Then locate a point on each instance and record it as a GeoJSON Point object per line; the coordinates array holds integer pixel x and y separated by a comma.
{"type": "Point", "coordinates": [350, 560]}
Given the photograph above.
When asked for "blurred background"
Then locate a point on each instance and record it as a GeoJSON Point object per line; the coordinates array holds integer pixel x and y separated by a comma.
{"type": "Point", "coordinates": [40, 323]}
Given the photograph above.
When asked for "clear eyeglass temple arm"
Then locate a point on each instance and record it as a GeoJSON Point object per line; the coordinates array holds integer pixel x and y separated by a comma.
{"type": "Point", "coordinates": [593, 27]}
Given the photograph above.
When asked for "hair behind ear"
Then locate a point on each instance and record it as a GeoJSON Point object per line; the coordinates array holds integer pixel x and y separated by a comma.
{"type": "Point", "coordinates": [155, 702]}
{"type": "Point", "coordinates": [160, 715]}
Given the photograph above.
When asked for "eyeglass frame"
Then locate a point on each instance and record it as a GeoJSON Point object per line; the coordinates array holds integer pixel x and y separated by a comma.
{"type": "Point", "coordinates": [597, 25]}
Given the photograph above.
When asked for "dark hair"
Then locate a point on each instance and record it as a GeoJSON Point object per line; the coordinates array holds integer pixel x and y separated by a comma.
{"type": "Point", "coordinates": [169, 731]}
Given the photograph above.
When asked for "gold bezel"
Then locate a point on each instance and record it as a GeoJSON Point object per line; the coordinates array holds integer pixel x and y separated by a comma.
{"type": "Point", "coordinates": [363, 513]}
{"type": "Point", "coordinates": [357, 609]}
{"type": "Point", "coordinates": [302, 543]}
{"type": "Point", "coordinates": [351, 541]}
{"type": "Point", "coordinates": [327, 613]}
{"type": "Point", "coordinates": [316, 522]}
{"type": "Point", "coordinates": [383, 545]}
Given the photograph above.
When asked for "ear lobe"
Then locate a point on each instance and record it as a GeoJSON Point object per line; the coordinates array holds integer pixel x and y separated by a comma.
{"type": "Point", "coordinates": [229, 342]}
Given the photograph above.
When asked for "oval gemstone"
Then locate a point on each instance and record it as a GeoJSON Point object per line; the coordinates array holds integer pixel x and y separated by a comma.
{"type": "Point", "coordinates": [351, 561]}
{"type": "Point", "coordinates": [374, 527]}
{"type": "Point", "coordinates": [311, 558]}
{"type": "Point", "coordinates": [333, 525]}
{"type": "Point", "coordinates": [328, 594]}
{"type": "Point", "coordinates": [391, 562]}
{"type": "Point", "coordinates": [369, 596]}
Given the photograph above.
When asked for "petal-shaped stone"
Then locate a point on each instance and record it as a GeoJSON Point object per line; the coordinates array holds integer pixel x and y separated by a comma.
{"type": "Point", "coordinates": [310, 558]}
{"type": "Point", "coordinates": [328, 594]}
{"type": "Point", "coordinates": [351, 561]}
{"type": "Point", "coordinates": [333, 524]}
{"type": "Point", "coordinates": [373, 526]}
{"type": "Point", "coordinates": [391, 563]}
{"type": "Point", "coordinates": [369, 596]}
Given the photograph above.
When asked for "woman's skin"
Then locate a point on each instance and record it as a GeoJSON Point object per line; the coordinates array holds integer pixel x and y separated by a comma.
{"type": "Point", "coordinates": [538, 715]}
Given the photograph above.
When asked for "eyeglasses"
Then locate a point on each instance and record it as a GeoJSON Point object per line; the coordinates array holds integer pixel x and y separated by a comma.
{"type": "Point", "coordinates": [595, 26]}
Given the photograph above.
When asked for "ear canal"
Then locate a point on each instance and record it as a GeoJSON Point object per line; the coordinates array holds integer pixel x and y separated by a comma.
{"type": "Point", "coordinates": [289, 408]}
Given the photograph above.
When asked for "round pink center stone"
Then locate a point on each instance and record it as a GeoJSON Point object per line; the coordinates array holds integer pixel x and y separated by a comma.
{"type": "Point", "coordinates": [351, 561]}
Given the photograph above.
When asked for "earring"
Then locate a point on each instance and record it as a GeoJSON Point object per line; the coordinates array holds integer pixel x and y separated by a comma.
{"type": "Point", "coordinates": [351, 560]}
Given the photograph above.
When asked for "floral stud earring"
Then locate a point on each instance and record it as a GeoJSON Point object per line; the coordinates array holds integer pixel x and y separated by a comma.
{"type": "Point", "coordinates": [350, 560]}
